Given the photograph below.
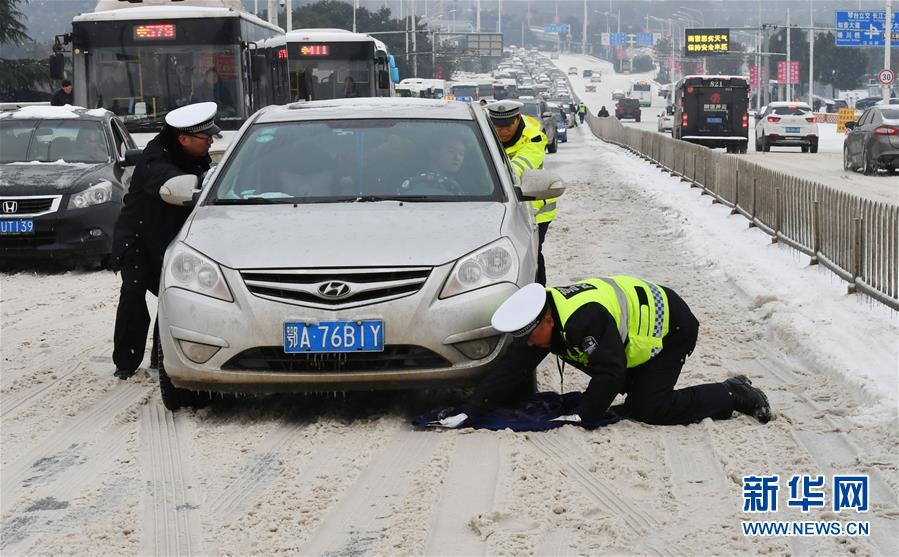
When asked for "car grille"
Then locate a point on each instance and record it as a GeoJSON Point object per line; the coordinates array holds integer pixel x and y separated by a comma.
{"type": "Point", "coordinates": [10, 243]}
{"type": "Point", "coordinates": [335, 288]}
{"type": "Point", "coordinates": [394, 358]}
{"type": "Point", "coordinates": [25, 206]}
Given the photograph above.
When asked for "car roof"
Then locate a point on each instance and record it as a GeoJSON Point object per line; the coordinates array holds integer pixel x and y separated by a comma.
{"type": "Point", "coordinates": [368, 107]}
{"type": "Point", "coordinates": [46, 112]}
{"type": "Point", "coordinates": [781, 104]}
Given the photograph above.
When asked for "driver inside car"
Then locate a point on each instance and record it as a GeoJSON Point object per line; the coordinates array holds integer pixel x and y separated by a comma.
{"type": "Point", "coordinates": [442, 177]}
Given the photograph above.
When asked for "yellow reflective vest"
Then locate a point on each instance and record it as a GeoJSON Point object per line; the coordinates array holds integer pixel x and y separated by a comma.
{"type": "Point", "coordinates": [639, 307]}
{"type": "Point", "coordinates": [527, 154]}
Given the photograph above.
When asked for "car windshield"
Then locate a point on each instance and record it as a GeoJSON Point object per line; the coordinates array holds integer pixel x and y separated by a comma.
{"type": "Point", "coordinates": [532, 110]}
{"type": "Point", "coordinates": [358, 160]}
{"type": "Point", "coordinates": [52, 140]}
{"type": "Point", "coordinates": [787, 110]}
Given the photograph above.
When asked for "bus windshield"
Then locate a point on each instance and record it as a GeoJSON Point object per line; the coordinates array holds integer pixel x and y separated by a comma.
{"type": "Point", "coordinates": [641, 87]}
{"type": "Point", "coordinates": [322, 71]}
{"type": "Point", "coordinates": [465, 91]}
{"type": "Point", "coordinates": [143, 83]}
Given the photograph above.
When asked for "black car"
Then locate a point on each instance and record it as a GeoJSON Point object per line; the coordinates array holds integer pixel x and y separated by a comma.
{"type": "Point", "coordinates": [62, 180]}
{"type": "Point", "coordinates": [872, 142]}
{"type": "Point", "coordinates": [628, 108]}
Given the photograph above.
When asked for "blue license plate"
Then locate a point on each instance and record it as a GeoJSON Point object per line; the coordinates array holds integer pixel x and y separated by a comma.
{"type": "Point", "coordinates": [16, 226]}
{"type": "Point", "coordinates": [714, 120]}
{"type": "Point", "coordinates": [334, 336]}
{"type": "Point", "coordinates": [792, 130]}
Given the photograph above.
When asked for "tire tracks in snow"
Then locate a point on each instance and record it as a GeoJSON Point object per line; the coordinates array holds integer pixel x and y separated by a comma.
{"type": "Point", "coordinates": [365, 510]}
{"type": "Point", "coordinates": [60, 450]}
{"type": "Point", "coordinates": [171, 520]}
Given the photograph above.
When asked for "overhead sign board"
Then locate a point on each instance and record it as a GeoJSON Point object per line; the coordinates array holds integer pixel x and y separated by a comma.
{"type": "Point", "coordinates": [863, 28]}
{"type": "Point", "coordinates": [557, 28]}
{"type": "Point", "coordinates": [470, 44]}
{"type": "Point", "coordinates": [706, 42]}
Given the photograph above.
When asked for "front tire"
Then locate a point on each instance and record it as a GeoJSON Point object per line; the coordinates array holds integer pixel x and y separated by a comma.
{"type": "Point", "coordinates": [174, 398]}
{"type": "Point", "coordinates": [554, 146]}
{"type": "Point", "coordinates": [766, 147]}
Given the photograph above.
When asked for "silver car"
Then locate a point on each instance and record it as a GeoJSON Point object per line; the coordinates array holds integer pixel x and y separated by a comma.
{"type": "Point", "coordinates": [346, 244]}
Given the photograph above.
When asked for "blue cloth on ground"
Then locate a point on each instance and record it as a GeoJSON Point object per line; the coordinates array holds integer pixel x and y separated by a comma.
{"type": "Point", "coordinates": [534, 415]}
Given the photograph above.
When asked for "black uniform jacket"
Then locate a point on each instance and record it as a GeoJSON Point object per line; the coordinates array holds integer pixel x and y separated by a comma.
{"type": "Point", "coordinates": [591, 328]}
{"type": "Point", "coordinates": [147, 222]}
{"type": "Point", "coordinates": [61, 98]}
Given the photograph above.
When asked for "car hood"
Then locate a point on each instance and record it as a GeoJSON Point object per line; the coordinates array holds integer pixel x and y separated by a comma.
{"type": "Point", "coordinates": [341, 235]}
{"type": "Point", "coordinates": [36, 178]}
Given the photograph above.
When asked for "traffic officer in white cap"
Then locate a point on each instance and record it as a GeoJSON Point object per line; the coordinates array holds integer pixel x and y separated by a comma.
{"type": "Point", "coordinates": [147, 224]}
{"type": "Point", "coordinates": [525, 145]}
{"type": "Point", "coordinates": [629, 335]}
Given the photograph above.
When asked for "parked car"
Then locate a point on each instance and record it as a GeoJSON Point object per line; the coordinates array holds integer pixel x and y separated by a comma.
{"type": "Point", "coordinates": [867, 102]}
{"type": "Point", "coordinates": [628, 108]}
{"type": "Point", "coordinates": [618, 94]}
{"type": "Point", "coordinates": [666, 119]}
{"type": "Point", "coordinates": [784, 123]}
{"type": "Point", "coordinates": [284, 277]}
{"type": "Point", "coordinates": [62, 179]}
{"type": "Point", "coordinates": [872, 142]}
{"type": "Point", "coordinates": [538, 110]}
{"type": "Point", "coordinates": [561, 121]}
{"type": "Point", "coordinates": [572, 70]}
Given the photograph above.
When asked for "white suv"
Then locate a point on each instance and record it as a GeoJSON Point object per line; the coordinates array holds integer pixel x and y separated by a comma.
{"type": "Point", "coordinates": [786, 124]}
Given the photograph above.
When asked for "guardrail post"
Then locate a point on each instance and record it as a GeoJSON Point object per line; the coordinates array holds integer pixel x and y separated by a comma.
{"type": "Point", "coordinates": [754, 198]}
{"type": "Point", "coordinates": [777, 216]}
{"type": "Point", "coordinates": [856, 254]}
{"type": "Point", "coordinates": [816, 233]}
{"type": "Point", "coordinates": [693, 172]}
{"type": "Point", "coordinates": [736, 210]}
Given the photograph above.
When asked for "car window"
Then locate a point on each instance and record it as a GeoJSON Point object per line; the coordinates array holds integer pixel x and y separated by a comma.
{"type": "Point", "coordinates": [787, 110]}
{"type": "Point", "coordinates": [346, 160]}
{"type": "Point", "coordinates": [14, 139]}
{"type": "Point", "coordinates": [65, 140]}
{"type": "Point", "coordinates": [865, 118]}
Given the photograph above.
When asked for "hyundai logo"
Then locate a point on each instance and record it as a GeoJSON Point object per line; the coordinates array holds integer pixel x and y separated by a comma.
{"type": "Point", "coordinates": [334, 289]}
{"type": "Point", "coordinates": [10, 206]}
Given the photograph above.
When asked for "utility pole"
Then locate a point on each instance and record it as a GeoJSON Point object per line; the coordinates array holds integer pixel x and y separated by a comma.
{"type": "Point", "coordinates": [355, 2]}
{"type": "Point", "coordinates": [584, 33]}
{"type": "Point", "coordinates": [789, 68]}
{"type": "Point", "coordinates": [414, 39]}
{"type": "Point", "coordinates": [273, 11]}
{"type": "Point", "coordinates": [887, 43]}
{"type": "Point", "coordinates": [288, 7]}
{"type": "Point", "coordinates": [760, 88]}
{"type": "Point", "coordinates": [478, 18]}
{"type": "Point", "coordinates": [811, 55]}
{"type": "Point", "coordinates": [499, 18]}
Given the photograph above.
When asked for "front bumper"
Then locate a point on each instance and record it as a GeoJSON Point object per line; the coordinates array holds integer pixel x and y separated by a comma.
{"type": "Point", "coordinates": [420, 331]}
{"type": "Point", "coordinates": [65, 232]}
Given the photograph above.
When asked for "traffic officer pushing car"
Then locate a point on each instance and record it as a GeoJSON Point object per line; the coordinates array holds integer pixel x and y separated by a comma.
{"type": "Point", "coordinates": [148, 224]}
{"type": "Point", "coordinates": [629, 335]}
{"type": "Point", "coordinates": [525, 144]}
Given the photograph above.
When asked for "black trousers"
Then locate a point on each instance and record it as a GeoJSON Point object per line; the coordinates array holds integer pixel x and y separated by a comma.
{"type": "Point", "coordinates": [542, 228]}
{"type": "Point", "coordinates": [651, 396]}
{"type": "Point", "coordinates": [140, 274]}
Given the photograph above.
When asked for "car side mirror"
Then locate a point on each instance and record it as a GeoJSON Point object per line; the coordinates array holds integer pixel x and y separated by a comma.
{"type": "Point", "coordinates": [179, 190]}
{"type": "Point", "coordinates": [540, 184]}
{"type": "Point", "coordinates": [758, 116]}
{"type": "Point", "coordinates": [547, 114]}
{"type": "Point", "coordinates": [132, 157]}
{"type": "Point", "coordinates": [850, 125]}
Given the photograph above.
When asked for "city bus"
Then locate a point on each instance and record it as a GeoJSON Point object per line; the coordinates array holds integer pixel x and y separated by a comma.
{"type": "Point", "coordinates": [642, 91]}
{"type": "Point", "coordinates": [712, 110]}
{"type": "Point", "coordinates": [336, 63]}
{"type": "Point", "coordinates": [142, 61]}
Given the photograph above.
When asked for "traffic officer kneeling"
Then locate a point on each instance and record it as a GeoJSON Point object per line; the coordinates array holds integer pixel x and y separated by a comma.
{"type": "Point", "coordinates": [629, 335]}
{"type": "Point", "coordinates": [148, 224]}
{"type": "Point", "coordinates": [525, 145]}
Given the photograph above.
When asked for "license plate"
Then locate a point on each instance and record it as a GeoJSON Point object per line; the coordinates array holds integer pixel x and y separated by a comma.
{"type": "Point", "coordinates": [792, 130]}
{"type": "Point", "coordinates": [334, 336]}
{"type": "Point", "coordinates": [16, 226]}
{"type": "Point", "coordinates": [714, 120]}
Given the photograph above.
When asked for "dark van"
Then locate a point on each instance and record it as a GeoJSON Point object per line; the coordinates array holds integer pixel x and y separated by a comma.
{"type": "Point", "coordinates": [712, 110]}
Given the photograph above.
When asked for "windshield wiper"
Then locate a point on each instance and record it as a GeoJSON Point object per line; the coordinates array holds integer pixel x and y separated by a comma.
{"type": "Point", "coordinates": [401, 198]}
{"type": "Point", "coordinates": [254, 201]}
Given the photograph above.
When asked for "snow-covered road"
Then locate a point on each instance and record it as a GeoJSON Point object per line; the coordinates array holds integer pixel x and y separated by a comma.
{"type": "Point", "coordinates": [93, 465]}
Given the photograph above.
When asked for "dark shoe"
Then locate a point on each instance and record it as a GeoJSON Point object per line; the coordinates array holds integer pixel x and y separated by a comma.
{"type": "Point", "coordinates": [124, 373]}
{"type": "Point", "coordinates": [747, 399]}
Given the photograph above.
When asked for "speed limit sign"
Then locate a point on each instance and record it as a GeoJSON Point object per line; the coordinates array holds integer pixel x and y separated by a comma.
{"type": "Point", "coordinates": [886, 76]}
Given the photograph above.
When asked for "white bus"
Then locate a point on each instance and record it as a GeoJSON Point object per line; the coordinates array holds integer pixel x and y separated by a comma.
{"type": "Point", "coordinates": [141, 61]}
{"type": "Point", "coordinates": [336, 63]}
{"type": "Point", "coordinates": [642, 91]}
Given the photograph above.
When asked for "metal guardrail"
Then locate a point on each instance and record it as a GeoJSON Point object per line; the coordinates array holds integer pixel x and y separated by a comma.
{"type": "Point", "coordinates": [856, 238]}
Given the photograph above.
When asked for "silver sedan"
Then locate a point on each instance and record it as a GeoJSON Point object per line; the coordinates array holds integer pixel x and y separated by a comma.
{"type": "Point", "coordinates": [346, 244]}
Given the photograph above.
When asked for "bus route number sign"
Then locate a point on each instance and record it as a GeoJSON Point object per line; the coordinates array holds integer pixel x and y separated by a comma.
{"type": "Point", "coordinates": [154, 31]}
{"type": "Point", "coordinates": [315, 50]}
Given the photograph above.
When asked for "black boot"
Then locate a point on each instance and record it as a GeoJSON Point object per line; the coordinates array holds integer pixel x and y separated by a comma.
{"type": "Point", "coordinates": [747, 399]}
{"type": "Point", "coordinates": [124, 373]}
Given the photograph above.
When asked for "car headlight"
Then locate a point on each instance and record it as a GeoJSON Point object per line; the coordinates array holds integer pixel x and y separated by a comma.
{"type": "Point", "coordinates": [191, 270]}
{"type": "Point", "coordinates": [94, 195]}
{"type": "Point", "coordinates": [492, 264]}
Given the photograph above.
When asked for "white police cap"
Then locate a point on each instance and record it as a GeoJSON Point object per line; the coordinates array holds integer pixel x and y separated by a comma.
{"type": "Point", "coordinates": [503, 112]}
{"type": "Point", "coordinates": [522, 311]}
{"type": "Point", "coordinates": [194, 118]}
